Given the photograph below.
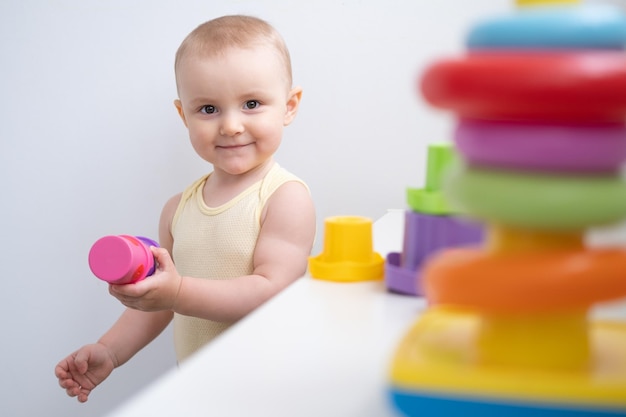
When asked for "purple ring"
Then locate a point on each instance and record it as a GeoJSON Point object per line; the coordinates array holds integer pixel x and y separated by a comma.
{"type": "Point", "coordinates": [149, 242]}
{"type": "Point", "coordinates": [552, 147]}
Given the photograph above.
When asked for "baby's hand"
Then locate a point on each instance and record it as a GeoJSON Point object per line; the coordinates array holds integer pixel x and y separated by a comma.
{"type": "Point", "coordinates": [84, 369]}
{"type": "Point", "coordinates": [155, 293]}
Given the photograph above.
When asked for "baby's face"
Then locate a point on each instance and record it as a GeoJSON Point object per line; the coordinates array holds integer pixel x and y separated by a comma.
{"type": "Point", "coordinates": [235, 106]}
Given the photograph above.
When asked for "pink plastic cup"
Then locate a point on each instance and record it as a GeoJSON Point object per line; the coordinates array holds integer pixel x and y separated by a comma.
{"type": "Point", "coordinates": [122, 259]}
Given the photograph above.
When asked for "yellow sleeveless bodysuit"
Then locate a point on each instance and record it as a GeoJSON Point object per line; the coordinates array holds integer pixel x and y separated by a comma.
{"type": "Point", "coordinates": [217, 243]}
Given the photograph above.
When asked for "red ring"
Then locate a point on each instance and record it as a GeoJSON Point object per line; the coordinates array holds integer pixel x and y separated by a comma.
{"type": "Point", "coordinates": [574, 87]}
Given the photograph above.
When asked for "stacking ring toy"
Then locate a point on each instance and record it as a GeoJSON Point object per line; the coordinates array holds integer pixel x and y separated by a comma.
{"type": "Point", "coordinates": [538, 201]}
{"type": "Point", "coordinates": [562, 147]}
{"type": "Point", "coordinates": [525, 282]}
{"type": "Point", "coordinates": [122, 259]}
{"type": "Point", "coordinates": [572, 87]}
{"type": "Point", "coordinates": [584, 27]}
{"type": "Point", "coordinates": [435, 372]}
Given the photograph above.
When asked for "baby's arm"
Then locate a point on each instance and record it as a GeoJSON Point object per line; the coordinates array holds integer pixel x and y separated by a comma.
{"type": "Point", "coordinates": [81, 371]}
{"type": "Point", "coordinates": [280, 257]}
{"type": "Point", "coordinates": [133, 331]}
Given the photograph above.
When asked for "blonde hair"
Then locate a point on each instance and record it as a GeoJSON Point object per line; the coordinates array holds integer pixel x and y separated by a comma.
{"type": "Point", "coordinates": [216, 36]}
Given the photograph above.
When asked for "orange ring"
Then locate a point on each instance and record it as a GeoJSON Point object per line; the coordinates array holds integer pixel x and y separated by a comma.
{"type": "Point", "coordinates": [525, 282]}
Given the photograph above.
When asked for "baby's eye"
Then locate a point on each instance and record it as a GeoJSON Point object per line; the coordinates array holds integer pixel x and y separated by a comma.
{"type": "Point", "coordinates": [208, 109]}
{"type": "Point", "coordinates": [251, 104]}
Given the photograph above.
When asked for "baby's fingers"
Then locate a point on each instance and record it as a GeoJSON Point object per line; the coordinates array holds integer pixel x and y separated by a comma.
{"type": "Point", "coordinates": [83, 395]}
{"type": "Point", "coordinates": [73, 389]}
{"type": "Point", "coordinates": [162, 257]}
{"type": "Point", "coordinates": [66, 381]}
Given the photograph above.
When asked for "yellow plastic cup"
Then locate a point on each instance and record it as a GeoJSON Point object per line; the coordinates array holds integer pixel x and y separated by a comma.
{"type": "Point", "coordinates": [348, 254]}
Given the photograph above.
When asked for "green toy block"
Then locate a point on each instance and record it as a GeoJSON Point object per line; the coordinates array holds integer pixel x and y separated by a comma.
{"type": "Point", "coordinates": [430, 199]}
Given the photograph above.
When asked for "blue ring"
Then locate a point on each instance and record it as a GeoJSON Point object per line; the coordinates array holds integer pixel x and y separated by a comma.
{"type": "Point", "coordinates": [425, 404]}
{"type": "Point", "coordinates": [583, 27]}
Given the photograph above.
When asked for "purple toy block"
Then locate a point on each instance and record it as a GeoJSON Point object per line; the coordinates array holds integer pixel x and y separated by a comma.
{"type": "Point", "coordinates": [425, 234]}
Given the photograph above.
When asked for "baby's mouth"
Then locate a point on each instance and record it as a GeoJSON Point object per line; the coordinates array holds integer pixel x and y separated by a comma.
{"type": "Point", "coordinates": [234, 146]}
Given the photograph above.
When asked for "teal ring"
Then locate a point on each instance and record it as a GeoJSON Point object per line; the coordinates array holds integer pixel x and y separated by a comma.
{"type": "Point", "coordinates": [582, 27]}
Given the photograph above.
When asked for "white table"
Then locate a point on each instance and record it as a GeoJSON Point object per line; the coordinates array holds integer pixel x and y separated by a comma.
{"type": "Point", "coordinates": [317, 349]}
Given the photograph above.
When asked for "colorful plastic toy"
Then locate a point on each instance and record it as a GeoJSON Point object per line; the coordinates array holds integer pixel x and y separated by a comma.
{"type": "Point", "coordinates": [429, 226]}
{"type": "Point", "coordinates": [537, 199]}
{"type": "Point", "coordinates": [430, 198]}
{"type": "Point", "coordinates": [586, 27]}
{"type": "Point", "coordinates": [454, 363]}
{"type": "Point", "coordinates": [560, 279]}
{"type": "Point", "coordinates": [348, 254]}
{"type": "Point", "coordinates": [508, 331]}
{"type": "Point", "coordinates": [597, 148]}
{"type": "Point", "coordinates": [531, 86]}
{"type": "Point", "coordinates": [122, 259]}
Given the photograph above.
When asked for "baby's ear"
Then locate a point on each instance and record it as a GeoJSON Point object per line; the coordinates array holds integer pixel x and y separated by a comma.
{"type": "Point", "coordinates": [293, 103]}
{"type": "Point", "coordinates": [179, 108]}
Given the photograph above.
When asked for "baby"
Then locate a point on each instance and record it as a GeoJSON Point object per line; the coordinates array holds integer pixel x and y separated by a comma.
{"type": "Point", "coordinates": [238, 235]}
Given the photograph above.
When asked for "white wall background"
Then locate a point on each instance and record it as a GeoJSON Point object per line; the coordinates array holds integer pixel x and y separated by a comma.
{"type": "Point", "coordinates": [90, 145]}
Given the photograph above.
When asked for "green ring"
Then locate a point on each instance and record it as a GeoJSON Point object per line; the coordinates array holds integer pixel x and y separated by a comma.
{"type": "Point", "coordinates": [536, 200]}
